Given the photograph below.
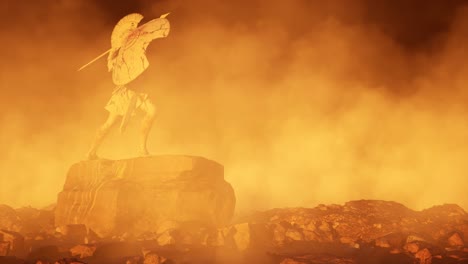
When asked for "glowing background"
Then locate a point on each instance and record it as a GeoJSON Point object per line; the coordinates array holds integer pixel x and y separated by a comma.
{"type": "Point", "coordinates": [303, 103]}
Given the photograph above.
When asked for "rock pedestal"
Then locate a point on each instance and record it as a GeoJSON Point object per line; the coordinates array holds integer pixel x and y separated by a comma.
{"type": "Point", "coordinates": [137, 195]}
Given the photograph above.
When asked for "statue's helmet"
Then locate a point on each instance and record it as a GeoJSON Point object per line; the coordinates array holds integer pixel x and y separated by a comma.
{"type": "Point", "coordinates": [123, 28]}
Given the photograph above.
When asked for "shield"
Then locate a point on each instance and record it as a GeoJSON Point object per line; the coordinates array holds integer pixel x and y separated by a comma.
{"type": "Point", "coordinates": [128, 58]}
{"type": "Point", "coordinates": [127, 55]}
{"type": "Point", "coordinates": [123, 28]}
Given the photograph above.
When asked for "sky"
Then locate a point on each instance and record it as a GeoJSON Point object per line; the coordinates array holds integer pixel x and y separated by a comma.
{"type": "Point", "coordinates": [304, 102]}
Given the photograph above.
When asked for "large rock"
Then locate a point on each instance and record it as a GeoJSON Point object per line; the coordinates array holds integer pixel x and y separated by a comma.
{"type": "Point", "coordinates": [137, 195]}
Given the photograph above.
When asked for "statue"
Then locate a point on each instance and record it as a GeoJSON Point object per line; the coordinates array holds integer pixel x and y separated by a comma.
{"type": "Point", "coordinates": [127, 60]}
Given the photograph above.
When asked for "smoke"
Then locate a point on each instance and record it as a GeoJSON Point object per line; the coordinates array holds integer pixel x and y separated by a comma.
{"type": "Point", "coordinates": [303, 103]}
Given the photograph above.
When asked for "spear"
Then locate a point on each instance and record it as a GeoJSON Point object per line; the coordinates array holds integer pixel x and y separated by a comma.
{"type": "Point", "coordinates": [103, 54]}
{"type": "Point", "coordinates": [97, 58]}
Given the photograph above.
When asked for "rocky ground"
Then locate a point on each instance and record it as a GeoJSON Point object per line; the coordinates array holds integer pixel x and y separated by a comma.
{"type": "Point", "coordinates": [179, 209]}
{"type": "Point", "coordinates": [357, 232]}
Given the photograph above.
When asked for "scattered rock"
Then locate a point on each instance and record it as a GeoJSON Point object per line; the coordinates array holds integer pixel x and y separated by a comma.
{"type": "Point", "coordinates": [349, 241]}
{"type": "Point", "coordinates": [242, 236]}
{"type": "Point", "coordinates": [15, 240]}
{"type": "Point", "coordinates": [359, 232]}
{"type": "Point", "coordinates": [414, 238]}
{"type": "Point", "coordinates": [133, 260]}
{"type": "Point", "coordinates": [69, 261]}
{"type": "Point", "coordinates": [166, 239]}
{"type": "Point", "coordinates": [35, 221]}
{"type": "Point", "coordinates": [424, 256]}
{"type": "Point", "coordinates": [117, 251]}
{"type": "Point", "coordinates": [74, 233]}
{"type": "Point", "coordinates": [47, 254]}
{"type": "Point", "coordinates": [4, 249]}
{"type": "Point", "coordinates": [412, 247]}
{"type": "Point", "coordinates": [455, 241]}
{"type": "Point", "coordinates": [392, 241]}
{"type": "Point", "coordinates": [83, 251]}
{"type": "Point", "coordinates": [382, 242]}
{"type": "Point", "coordinates": [9, 219]}
{"type": "Point", "coordinates": [446, 210]}
{"type": "Point", "coordinates": [294, 235]}
{"type": "Point", "coordinates": [292, 261]}
{"type": "Point", "coordinates": [153, 258]}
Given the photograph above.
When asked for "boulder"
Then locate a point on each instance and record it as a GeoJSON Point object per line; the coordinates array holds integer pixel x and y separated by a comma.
{"type": "Point", "coordinates": [137, 195]}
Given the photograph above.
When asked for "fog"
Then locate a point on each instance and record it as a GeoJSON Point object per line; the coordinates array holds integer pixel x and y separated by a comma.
{"type": "Point", "coordinates": [304, 104]}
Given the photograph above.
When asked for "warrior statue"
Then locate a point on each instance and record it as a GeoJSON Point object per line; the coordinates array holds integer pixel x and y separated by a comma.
{"type": "Point", "coordinates": [127, 60]}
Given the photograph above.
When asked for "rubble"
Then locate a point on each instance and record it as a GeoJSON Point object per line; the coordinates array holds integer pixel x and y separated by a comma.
{"type": "Point", "coordinates": [181, 210]}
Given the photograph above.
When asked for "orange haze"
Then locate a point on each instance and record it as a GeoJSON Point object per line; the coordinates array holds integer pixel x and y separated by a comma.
{"type": "Point", "coordinates": [304, 103]}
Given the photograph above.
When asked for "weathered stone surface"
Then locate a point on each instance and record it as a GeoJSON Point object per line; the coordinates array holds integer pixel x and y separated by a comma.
{"type": "Point", "coordinates": [15, 240]}
{"type": "Point", "coordinates": [34, 221]}
{"type": "Point", "coordinates": [9, 219]}
{"type": "Point", "coordinates": [137, 195]}
{"type": "Point", "coordinates": [4, 249]}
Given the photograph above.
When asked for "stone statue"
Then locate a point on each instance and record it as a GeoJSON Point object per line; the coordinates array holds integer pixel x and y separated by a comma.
{"type": "Point", "coordinates": [127, 60]}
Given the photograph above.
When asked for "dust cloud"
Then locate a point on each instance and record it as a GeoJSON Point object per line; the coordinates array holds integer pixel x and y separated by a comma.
{"type": "Point", "coordinates": [304, 103]}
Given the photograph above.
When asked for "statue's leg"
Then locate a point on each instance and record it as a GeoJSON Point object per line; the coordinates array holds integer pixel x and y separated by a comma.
{"type": "Point", "coordinates": [146, 125]}
{"type": "Point", "coordinates": [100, 134]}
